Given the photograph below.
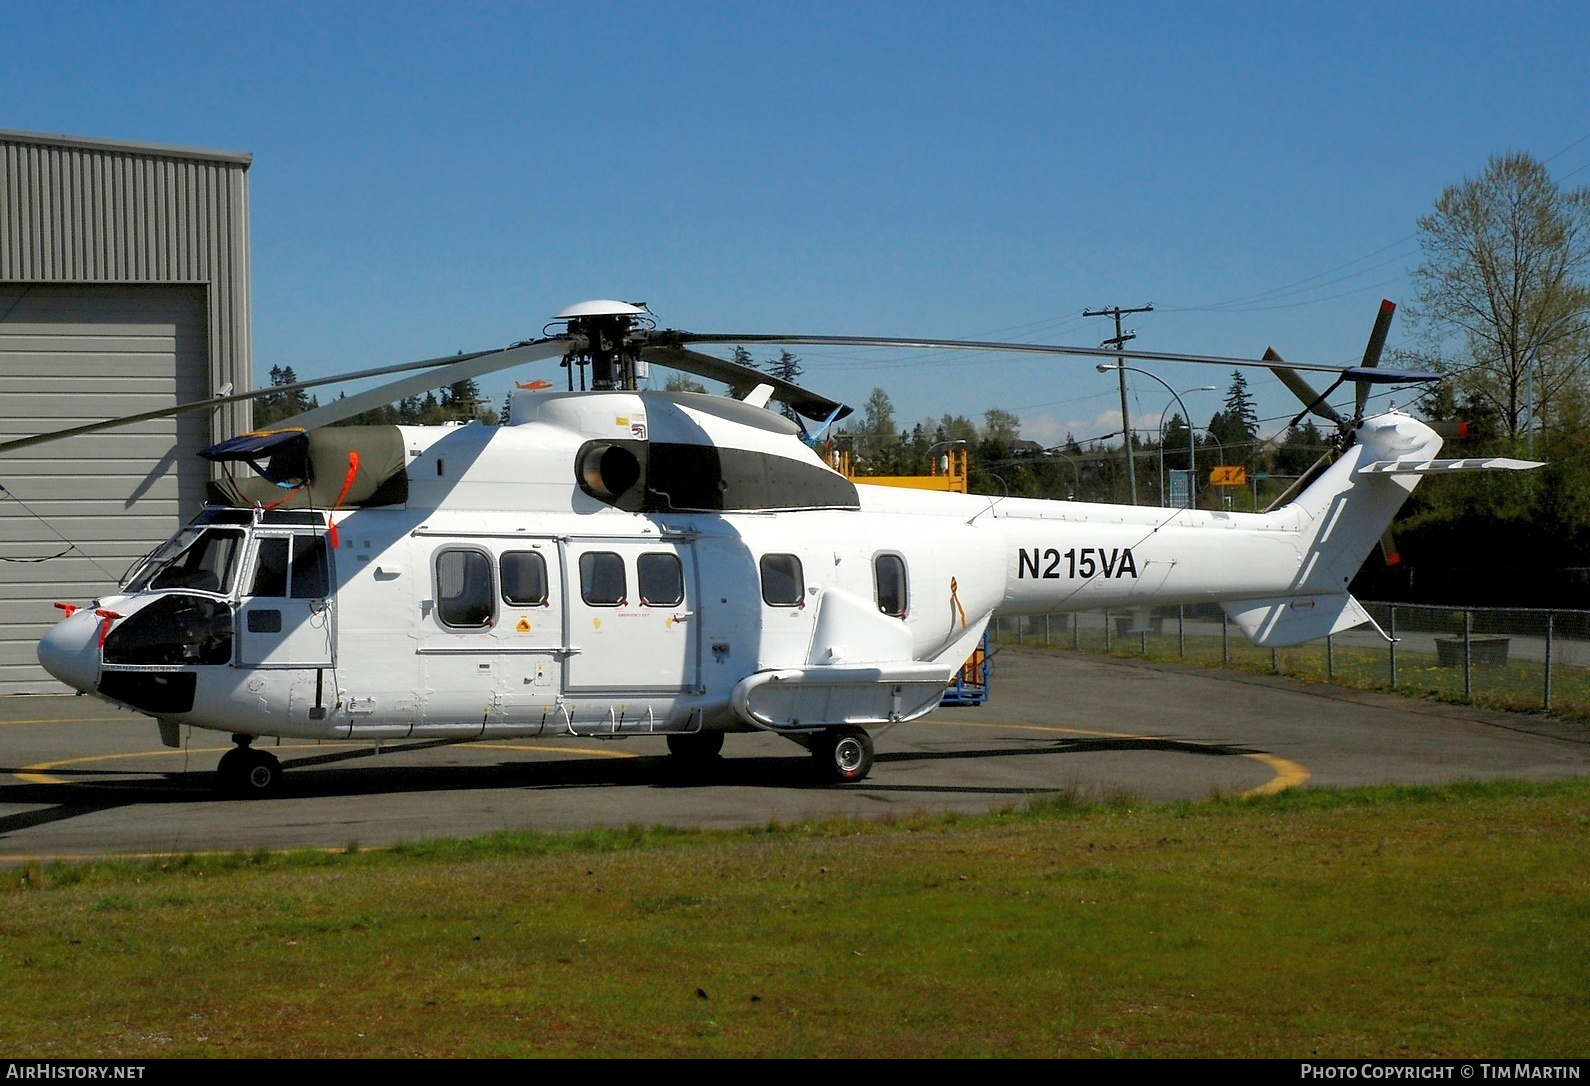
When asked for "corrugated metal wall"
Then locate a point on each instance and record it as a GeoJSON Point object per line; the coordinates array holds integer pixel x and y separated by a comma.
{"type": "Point", "coordinates": [81, 211]}
{"type": "Point", "coordinates": [123, 287]}
{"type": "Point", "coordinates": [75, 514]}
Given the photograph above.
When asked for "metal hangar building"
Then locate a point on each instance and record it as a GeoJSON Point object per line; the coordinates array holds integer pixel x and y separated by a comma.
{"type": "Point", "coordinates": [124, 287]}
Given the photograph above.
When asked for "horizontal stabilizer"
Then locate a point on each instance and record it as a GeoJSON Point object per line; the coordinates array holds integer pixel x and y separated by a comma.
{"type": "Point", "coordinates": [1283, 621]}
{"type": "Point", "coordinates": [1437, 467]}
{"type": "Point", "coordinates": [1376, 376]}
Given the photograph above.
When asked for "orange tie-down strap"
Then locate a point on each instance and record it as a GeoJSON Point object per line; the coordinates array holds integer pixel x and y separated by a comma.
{"type": "Point", "coordinates": [347, 485]}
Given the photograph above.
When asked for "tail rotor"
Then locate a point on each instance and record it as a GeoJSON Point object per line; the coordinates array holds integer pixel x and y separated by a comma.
{"type": "Point", "coordinates": [1363, 375]}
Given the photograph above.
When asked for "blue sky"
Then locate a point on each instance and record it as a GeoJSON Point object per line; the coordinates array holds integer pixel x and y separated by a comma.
{"type": "Point", "coordinates": [430, 178]}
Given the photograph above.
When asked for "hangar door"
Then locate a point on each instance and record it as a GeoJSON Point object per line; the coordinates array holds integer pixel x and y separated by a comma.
{"type": "Point", "coordinates": [75, 514]}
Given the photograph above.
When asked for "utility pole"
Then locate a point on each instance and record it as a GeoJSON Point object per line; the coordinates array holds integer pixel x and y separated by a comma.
{"type": "Point", "coordinates": [1119, 343]}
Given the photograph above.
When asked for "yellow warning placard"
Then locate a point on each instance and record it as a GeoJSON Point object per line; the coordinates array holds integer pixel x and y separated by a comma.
{"type": "Point", "coordinates": [1229, 476]}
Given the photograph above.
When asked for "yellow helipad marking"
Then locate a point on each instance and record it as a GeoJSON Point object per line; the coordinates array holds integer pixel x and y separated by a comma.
{"type": "Point", "coordinates": [1288, 774]}
{"type": "Point", "coordinates": [79, 720]}
{"type": "Point", "coordinates": [39, 772]}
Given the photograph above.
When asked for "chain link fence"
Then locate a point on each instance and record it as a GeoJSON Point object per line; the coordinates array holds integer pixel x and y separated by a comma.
{"type": "Point", "coordinates": [1507, 659]}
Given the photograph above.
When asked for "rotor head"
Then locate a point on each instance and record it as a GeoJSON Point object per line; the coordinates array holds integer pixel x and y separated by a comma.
{"type": "Point", "coordinates": [606, 335]}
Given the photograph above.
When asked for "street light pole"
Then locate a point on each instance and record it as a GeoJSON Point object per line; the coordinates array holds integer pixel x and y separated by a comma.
{"type": "Point", "coordinates": [1192, 464]}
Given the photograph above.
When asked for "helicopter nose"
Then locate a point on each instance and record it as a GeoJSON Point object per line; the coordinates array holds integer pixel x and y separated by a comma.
{"type": "Point", "coordinates": [70, 651]}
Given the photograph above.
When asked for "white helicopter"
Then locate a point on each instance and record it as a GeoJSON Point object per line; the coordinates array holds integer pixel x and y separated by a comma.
{"type": "Point", "coordinates": [618, 563]}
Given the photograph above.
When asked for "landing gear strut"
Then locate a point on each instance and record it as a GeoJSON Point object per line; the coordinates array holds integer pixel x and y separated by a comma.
{"type": "Point", "coordinates": [843, 755]}
{"type": "Point", "coordinates": [244, 771]}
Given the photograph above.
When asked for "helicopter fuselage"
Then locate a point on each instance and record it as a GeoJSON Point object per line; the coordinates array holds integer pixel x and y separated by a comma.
{"type": "Point", "coordinates": [619, 564]}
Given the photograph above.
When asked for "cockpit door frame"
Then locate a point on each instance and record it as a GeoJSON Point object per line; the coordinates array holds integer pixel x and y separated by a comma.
{"type": "Point", "coordinates": [286, 631]}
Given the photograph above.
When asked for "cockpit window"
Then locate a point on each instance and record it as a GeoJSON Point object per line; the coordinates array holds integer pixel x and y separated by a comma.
{"type": "Point", "coordinates": [306, 567]}
{"type": "Point", "coordinates": [270, 567]}
{"type": "Point", "coordinates": [309, 567]}
{"type": "Point", "coordinates": [201, 559]}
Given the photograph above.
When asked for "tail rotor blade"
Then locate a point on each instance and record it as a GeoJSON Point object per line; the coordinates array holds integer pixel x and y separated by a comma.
{"type": "Point", "coordinates": [1388, 549]}
{"type": "Point", "coordinates": [1377, 343]}
{"type": "Point", "coordinates": [1313, 402]}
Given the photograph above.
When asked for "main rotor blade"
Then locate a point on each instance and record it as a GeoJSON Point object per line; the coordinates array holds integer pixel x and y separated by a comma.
{"type": "Point", "coordinates": [1313, 402]}
{"type": "Point", "coordinates": [744, 378]}
{"type": "Point", "coordinates": [460, 369]}
{"type": "Point", "coordinates": [672, 338]}
{"type": "Point", "coordinates": [236, 397]}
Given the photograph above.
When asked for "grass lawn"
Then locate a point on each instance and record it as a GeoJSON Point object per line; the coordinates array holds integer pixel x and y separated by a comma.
{"type": "Point", "coordinates": [1423, 922]}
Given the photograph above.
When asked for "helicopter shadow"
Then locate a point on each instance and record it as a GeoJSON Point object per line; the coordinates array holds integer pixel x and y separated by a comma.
{"type": "Point", "coordinates": [347, 775]}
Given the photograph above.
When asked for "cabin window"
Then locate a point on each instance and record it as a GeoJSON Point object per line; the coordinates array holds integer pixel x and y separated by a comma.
{"type": "Point", "coordinates": [662, 580]}
{"type": "Point", "coordinates": [889, 572]}
{"type": "Point", "coordinates": [602, 582]}
{"type": "Point", "coordinates": [783, 582]}
{"type": "Point", "coordinates": [524, 579]}
{"type": "Point", "coordinates": [464, 597]}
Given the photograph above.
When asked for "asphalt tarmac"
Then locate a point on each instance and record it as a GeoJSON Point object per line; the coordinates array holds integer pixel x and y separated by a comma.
{"type": "Point", "coordinates": [82, 779]}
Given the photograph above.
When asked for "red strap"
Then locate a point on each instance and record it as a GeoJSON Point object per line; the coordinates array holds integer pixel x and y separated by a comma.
{"type": "Point", "coordinates": [347, 485]}
{"type": "Point", "coordinates": [70, 608]}
{"type": "Point", "coordinates": [106, 618]}
{"type": "Point", "coordinates": [286, 498]}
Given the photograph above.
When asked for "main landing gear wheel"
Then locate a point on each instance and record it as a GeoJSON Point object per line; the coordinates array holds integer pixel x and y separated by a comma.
{"type": "Point", "coordinates": [244, 771]}
{"type": "Point", "coordinates": [843, 755]}
{"type": "Point", "coordinates": [695, 747]}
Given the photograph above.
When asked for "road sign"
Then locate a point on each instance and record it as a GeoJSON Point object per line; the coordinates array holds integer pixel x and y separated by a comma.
{"type": "Point", "coordinates": [1232, 475]}
{"type": "Point", "coordinates": [1179, 489]}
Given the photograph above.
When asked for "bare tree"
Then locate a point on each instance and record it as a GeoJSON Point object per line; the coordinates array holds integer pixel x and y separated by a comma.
{"type": "Point", "coordinates": [1502, 293]}
{"type": "Point", "coordinates": [1000, 425]}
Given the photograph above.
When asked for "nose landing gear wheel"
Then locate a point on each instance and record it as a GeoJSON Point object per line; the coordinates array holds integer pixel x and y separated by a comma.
{"type": "Point", "coordinates": [843, 755]}
{"type": "Point", "coordinates": [244, 771]}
